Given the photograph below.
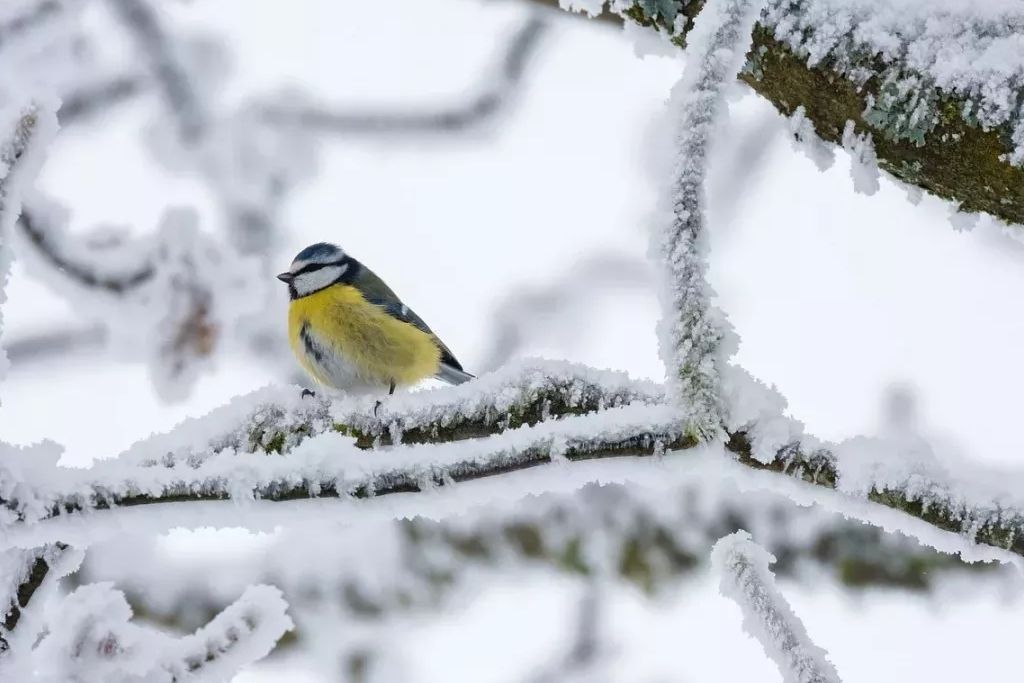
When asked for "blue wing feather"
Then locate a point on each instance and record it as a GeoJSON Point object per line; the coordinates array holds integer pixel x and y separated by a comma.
{"type": "Point", "coordinates": [376, 292]}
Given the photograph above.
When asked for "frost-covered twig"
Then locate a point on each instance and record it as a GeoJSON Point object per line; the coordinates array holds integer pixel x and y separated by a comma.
{"type": "Point", "coordinates": [498, 86]}
{"type": "Point", "coordinates": [695, 337]}
{"type": "Point", "coordinates": [83, 261]}
{"type": "Point", "coordinates": [92, 639]}
{"type": "Point", "coordinates": [20, 158]}
{"type": "Point", "coordinates": [167, 298]}
{"type": "Point", "coordinates": [744, 575]}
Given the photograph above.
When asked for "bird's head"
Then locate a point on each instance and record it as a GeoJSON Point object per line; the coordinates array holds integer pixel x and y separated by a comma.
{"type": "Point", "coordinates": [317, 266]}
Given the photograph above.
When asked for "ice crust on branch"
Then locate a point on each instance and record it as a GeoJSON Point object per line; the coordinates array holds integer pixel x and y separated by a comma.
{"type": "Point", "coordinates": [696, 340]}
{"type": "Point", "coordinates": [745, 577]}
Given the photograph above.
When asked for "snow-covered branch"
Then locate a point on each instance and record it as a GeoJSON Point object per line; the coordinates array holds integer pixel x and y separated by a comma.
{"type": "Point", "coordinates": [519, 418]}
{"type": "Point", "coordinates": [90, 638]}
{"type": "Point", "coordinates": [22, 573]}
{"type": "Point", "coordinates": [742, 566]}
{"type": "Point", "coordinates": [652, 539]}
{"type": "Point", "coordinates": [907, 73]}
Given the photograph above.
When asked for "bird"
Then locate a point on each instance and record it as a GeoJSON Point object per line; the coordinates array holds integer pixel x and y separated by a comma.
{"type": "Point", "coordinates": [350, 332]}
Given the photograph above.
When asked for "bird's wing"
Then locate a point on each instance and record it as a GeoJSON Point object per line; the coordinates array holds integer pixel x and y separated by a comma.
{"type": "Point", "coordinates": [376, 292]}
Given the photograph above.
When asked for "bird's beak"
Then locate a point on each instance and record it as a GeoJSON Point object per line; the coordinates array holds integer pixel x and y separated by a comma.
{"type": "Point", "coordinates": [286, 277]}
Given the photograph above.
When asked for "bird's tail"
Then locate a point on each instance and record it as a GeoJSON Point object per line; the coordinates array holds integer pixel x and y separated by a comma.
{"type": "Point", "coordinates": [452, 375]}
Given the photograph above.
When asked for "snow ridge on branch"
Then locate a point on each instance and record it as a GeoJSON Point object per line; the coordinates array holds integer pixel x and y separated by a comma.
{"type": "Point", "coordinates": [742, 566]}
{"type": "Point", "coordinates": [696, 340]}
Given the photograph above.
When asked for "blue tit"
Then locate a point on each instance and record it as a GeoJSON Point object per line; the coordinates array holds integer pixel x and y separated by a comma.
{"type": "Point", "coordinates": [351, 332]}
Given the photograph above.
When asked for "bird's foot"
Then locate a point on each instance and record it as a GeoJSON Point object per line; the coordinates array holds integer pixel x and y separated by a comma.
{"type": "Point", "coordinates": [308, 392]}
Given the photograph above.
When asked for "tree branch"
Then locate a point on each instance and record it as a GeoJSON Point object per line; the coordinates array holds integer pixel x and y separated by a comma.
{"type": "Point", "coordinates": [26, 570]}
{"type": "Point", "coordinates": [158, 48]}
{"type": "Point", "coordinates": [498, 424]}
{"type": "Point", "coordinates": [946, 131]}
{"type": "Point", "coordinates": [496, 89]}
{"type": "Point", "coordinates": [649, 539]}
{"type": "Point", "coordinates": [92, 98]}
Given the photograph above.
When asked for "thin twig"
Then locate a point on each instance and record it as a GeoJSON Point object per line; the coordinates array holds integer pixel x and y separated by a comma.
{"type": "Point", "coordinates": [495, 93]}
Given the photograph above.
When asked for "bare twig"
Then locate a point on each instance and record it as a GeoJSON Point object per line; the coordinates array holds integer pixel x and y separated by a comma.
{"type": "Point", "coordinates": [173, 80]}
{"type": "Point", "coordinates": [48, 240]}
{"type": "Point", "coordinates": [495, 92]}
{"type": "Point", "coordinates": [92, 98]}
{"type": "Point", "coordinates": [63, 341]}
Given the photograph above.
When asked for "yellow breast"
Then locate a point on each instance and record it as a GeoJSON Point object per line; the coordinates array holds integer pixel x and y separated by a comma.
{"type": "Point", "coordinates": [380, 348]}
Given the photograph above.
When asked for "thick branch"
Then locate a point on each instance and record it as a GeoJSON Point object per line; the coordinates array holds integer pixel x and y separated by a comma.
{"type": "Point", "coordinates": [947, 132]}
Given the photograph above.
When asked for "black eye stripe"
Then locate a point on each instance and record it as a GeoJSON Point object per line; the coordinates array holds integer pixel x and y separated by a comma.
{"type": "Point", "coordinates": [317, 266]}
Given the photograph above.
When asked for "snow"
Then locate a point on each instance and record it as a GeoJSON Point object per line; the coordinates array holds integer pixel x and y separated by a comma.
{"type": "Point", "coordinates": [743, 568]}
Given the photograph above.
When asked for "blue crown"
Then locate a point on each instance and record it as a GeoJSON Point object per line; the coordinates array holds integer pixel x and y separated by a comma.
{"type": "Point", "coordinates": [321, 251]}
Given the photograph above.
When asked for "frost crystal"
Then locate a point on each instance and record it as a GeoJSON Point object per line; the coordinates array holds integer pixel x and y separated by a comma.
{"type": "Point", "coordinates": [806, 140]}
{"type": "Point", "coordinates": [696, 340]}
{"type": "Point", "coordinates": [591, 8]}
{"type": "Point", "coordinates": [742, 566]}
{"type": "Point", "coordinates": [863, 162]}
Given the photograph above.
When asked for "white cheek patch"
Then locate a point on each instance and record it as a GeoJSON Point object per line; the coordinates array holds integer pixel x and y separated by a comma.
{"type": "Point", "coordinates": [315, 280]}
